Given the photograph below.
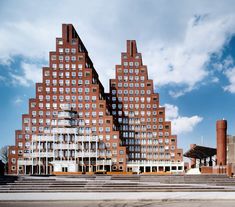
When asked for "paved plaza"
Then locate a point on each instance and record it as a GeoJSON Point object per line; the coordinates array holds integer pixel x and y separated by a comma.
{"type": "Point", "coordinates": [118, 191]}
{"type": "Point", "coordinates": [122, 203]}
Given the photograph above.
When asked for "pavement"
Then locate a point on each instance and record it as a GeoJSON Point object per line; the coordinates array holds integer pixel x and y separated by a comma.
{"type": "Point", "coordinates": [156, 203]}
{"type": "Point", "coordinates": [118, 196]}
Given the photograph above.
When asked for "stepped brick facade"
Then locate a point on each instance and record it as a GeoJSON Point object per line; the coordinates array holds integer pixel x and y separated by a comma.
{"type": "Point", "coordinates": [73, 126]}
{"type": "Point", "coordinates": [145, 132]}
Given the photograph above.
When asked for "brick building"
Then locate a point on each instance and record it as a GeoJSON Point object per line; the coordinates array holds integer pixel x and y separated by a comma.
{"type": "Point", "coordinates": [231, 152]}
{"type": "Point", "coordinates": [73, 126]}
{"type": "Point", "coordinates": [147, 135]}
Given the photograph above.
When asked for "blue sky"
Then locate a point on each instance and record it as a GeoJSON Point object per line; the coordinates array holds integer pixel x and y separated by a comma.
{"type": "Point", "coordinates": [188, 46]}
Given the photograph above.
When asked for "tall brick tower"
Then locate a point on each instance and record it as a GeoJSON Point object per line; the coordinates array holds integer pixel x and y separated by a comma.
{"type": "Point", "coordinates": [69, 127]}
{"type": "Point", "coordinates": [147, 135]}
{"type": "Point", "coordinates": [221, 140]}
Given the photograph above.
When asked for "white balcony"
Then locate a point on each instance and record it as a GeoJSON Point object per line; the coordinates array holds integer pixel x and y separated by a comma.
{"type": "Point", "coordinates": [65, 107]}
{"type": "Point", "coordinates": [65, 130]}
{"type": "Point", "coordinates": [87, 139]}
{"type": "Point", "coordinates": [64, 123]}
{"type": "Point", "coordinates": [66, 146]}
{"type": "Point", "coordinates": [104, 162]}
{"type": "Point", "coordinates": [42, 154]}
{"type": "Point", "coordinates": [86, 154]}
{"type": "Point", "coordinates": [29, 162]}
{"type": "Point", "coordinates": [64, 114]}
{"type": "Point", "coordinates": [154, 163]}
{"type": "Point", "coordinates": [42, 138]}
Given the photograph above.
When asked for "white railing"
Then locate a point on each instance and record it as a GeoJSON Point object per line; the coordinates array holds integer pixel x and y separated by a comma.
{"type": "Point", "coordinates": [42, 138]}
{"type": "Point", "coordinates": [64, 114]}
{"type": "Point", "coordinates": [104, 162]}
{"type": "Point", "coordinates": [86, 154]}
{"type": "Point", "coordinates": [64, 123]}
{"type": "Point", "coordinates": [29, 162]}
{"type": "Point", "coordinates": [65, 146]}
{"type": "Point", "coordinates": [154, 163]}
{"type": "Point", "coordinates": [65, 130]}
{"type": "Point", "coordinates": [87, 139]}
{"type": "Point", "coordinates": [42, 154]}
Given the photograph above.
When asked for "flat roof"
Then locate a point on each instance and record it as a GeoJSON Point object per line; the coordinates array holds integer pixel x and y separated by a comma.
{"type": "Point", "coordinates": [200, 152]}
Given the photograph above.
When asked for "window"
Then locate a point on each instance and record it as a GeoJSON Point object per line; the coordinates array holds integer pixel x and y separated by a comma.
{"type": "Point", "coordinates": [66, 50]}
{"type": "Point", "coordinates": [20, 144]}
{"type": "Point", "coordinates": [73, 58]}
{"type": "Point", "coordinates": [107, 129]}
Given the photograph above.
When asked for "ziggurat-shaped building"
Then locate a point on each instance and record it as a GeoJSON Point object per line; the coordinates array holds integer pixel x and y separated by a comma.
{"type": "Point", "coordinates": [73, 126]}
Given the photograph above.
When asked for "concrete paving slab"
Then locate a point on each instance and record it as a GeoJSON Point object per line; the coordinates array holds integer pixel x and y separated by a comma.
{"type": "Point", "coordinates": [162, 196]}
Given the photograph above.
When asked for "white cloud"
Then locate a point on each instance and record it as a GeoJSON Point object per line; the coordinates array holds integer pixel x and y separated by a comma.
{"type": "Point", "coordinates": [181, 124]}
{"type": "Point", "coordinates": [25, 39]}
{"type": "Point", "coordinates": [19, 80]}
{"type": "Point", "coordinates": [231, 77]}
{"type": "Point", "coordinates": [31, 74]}
{"type": "Point", "coordinates": [185, 63]}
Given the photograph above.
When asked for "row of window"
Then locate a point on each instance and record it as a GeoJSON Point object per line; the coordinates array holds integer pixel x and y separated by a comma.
{"type": "Point", "coordinates": [131, 71]}
{"type": "Point", "coordinates": [131, 78]}
{"type": "Point", "coordinates": [67, 74]}
{"type": "Point", "coordinates": [66, 82]}
{"type": "Point", "coordinates": [136, 92]}
{"type": "Point", "coordinates": [67, 50]}
{"type": "Point", "coordinates": [131, 85]}
{"type": "Point", "coordinates": [151, 156]}
{"type": "Point", "coordinates": [133, 113]}
{"type": "Point", "coordinates": [132, 106]}
{"type": "Point", "coordinates": [161, 156]}
{"type": "Point", "coordinates": [131, 64]}
{"type": "Point", "coordinates": [151, 148]}
{"type": "Point", "coordinates": [131, 99]}
{"type": "Point", "coordinates": [62, 74]}
{"type": "Point", "coordinates": [66, 66]}
{"type": "Point", "coordinates": [142, 135]}
{"type": "Point", "coordinates": [67, 58]}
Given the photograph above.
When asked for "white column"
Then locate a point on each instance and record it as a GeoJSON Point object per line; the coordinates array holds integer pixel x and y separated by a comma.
{"type": "Point", "coordinates": [60, 147]}
{"type": "Point", "coordinates": [89, 146]}
{"type": "Point", "coordinates": [75, 145]}
{"type": "Point", "coordinates": [103, 164]}
{"type": "Point", "coordinates": [68, 147]}
{"type": "Point", "coordinates": [39, 156]}
{"type": "Point", "coordinates": [46, 157]}
{"type": "Point", "coordinates": [96, 148]}
{"type": "Point", "coordinates": [53, 147]}
{"type": "Point", "coordinates": [32, 155]}
{"type": "Point", "coordinates": [82, 151]}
